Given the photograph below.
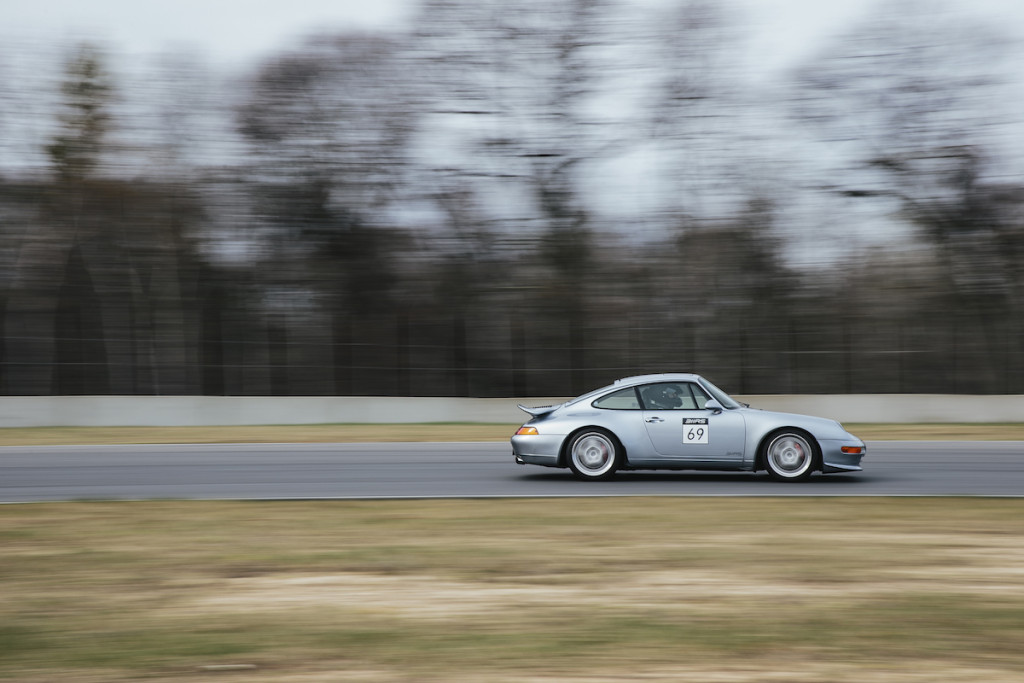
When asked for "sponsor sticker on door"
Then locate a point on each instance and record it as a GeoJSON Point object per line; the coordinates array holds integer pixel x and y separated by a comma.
{"type": "Point", "coordinates": [695, 430]}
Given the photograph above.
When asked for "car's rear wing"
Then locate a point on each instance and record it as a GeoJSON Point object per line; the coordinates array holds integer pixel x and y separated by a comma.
{"type": "Point", "coordinates": [538, 411]}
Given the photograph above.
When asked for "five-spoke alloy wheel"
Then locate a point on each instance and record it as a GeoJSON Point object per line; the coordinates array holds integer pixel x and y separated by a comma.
{"type": "Point", "coordinates": [593, 454]}
{"type": "Point", "coordinates": [789, 456]}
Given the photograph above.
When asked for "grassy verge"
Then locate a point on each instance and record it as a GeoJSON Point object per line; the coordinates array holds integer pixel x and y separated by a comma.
{"type": "Point", "coordinates": [514, 590]}
{"type": "Point", "coordinates": [341, 433]}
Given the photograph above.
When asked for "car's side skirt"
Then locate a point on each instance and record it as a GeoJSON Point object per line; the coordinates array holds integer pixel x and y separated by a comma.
{"type": "Point", "coordinates": [689, 465]}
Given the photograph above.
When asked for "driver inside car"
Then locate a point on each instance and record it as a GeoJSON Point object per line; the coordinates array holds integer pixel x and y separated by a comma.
{"type": "Point", "coordinates": [666, 397]}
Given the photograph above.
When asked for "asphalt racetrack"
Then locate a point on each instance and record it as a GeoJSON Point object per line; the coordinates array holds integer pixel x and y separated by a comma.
{"type": "Point", "coordinates": [463, 470]}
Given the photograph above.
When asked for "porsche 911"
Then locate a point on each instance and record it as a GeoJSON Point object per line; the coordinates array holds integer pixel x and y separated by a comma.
{"type": "Point", "coordinates": [680, 422]}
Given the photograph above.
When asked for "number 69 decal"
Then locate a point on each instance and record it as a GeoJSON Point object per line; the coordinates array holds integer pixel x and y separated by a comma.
{"type": "Point", "coordinates": [695, 430]}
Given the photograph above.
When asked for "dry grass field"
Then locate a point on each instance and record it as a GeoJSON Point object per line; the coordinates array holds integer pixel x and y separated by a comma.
{"type": "Point", "coordinates": [599, 590]}
{"type": "Point", "coordinates": [633, 589]}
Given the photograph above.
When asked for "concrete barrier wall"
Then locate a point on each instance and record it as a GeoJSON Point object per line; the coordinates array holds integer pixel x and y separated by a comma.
{"type": "Point", "coordinates": [899, 408]}
{"type": "Point", "coordinates": [81, 411]}
{"type": "Point", "coordinates": [84, 411]}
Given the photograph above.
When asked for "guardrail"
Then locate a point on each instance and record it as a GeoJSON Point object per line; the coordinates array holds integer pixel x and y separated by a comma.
{"type": "Point", "coordinates": [128, 411]}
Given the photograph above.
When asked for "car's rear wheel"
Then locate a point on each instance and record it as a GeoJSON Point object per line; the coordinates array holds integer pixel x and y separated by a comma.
{"type": "Point", "coordinates": [593, 454]}
{"type": "Point", "coordinates": [789, 456]}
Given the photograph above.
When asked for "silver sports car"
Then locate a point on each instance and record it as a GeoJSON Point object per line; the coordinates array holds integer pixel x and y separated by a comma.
{"type": "Point", "coordinates": [679, 422]}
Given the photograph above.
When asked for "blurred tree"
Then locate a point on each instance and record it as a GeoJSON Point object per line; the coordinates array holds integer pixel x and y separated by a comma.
{"type": "Point", "coordinates": [915, 101]}
{"type": "Point", "coordinates": [520, 81]}
{"type": "Point", "coordinates": [56, 341]}
{"type": "Point", "coordinates": [84, 120]}
{"type": "Point", "coordinates": [450, 211]}
{"type": "Point", "coordinates": [103, 283]}
{"type": "Point", "coordinates": [328, 128]}
{"type": "Point", "coordinates": [337, 110]}
{"type": "Point", "coordinates": [723, 297]}
{"type": "Point", "coordinates": [694, 113]}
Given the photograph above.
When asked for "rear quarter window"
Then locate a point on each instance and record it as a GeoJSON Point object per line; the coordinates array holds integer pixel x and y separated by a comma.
{"type": "Point", "coordinates": [624, 399]}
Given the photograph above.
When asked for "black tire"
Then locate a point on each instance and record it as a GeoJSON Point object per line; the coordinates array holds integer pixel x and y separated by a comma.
{"type": "Point", "coordinates": [790, 455]}
{"type": "Point", "coordinates": [593, 454]}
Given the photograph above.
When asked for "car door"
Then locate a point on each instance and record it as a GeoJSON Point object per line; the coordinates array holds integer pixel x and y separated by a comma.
{"type": "Point", "coordinates": [682, 430]}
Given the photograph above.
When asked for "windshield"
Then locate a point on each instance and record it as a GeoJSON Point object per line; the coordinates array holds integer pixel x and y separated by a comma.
{"type": "Point", "coordinates": [727, 401]}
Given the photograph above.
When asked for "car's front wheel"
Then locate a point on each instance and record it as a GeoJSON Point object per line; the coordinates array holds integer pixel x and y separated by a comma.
{"type": "Point", "coordinates": [593, 454]}
{"type": "Point", "coordinates": [789, 456]}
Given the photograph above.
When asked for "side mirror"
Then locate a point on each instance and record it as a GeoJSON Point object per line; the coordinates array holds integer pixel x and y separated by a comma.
{"type": "Point", "coordinates": [714, 406]}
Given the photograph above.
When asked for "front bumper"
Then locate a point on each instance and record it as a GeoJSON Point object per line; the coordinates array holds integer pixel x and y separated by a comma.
{"type": "Point", "coordinates": [835, 460]}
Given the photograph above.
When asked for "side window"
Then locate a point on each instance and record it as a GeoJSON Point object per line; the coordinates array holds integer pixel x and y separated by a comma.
{"type": "Point", "coordinates": [672, 396]}
{"type": "Point", "coordinates": [700, 396]}
{"type": "Point", "coordinates": [624, 399]}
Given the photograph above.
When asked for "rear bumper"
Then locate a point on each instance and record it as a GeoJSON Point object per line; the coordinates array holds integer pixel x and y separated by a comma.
{"type": "Point", "coordinates": [537, 449]}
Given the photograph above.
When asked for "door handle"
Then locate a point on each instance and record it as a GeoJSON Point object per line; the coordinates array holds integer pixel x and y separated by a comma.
{"type": "Point", "coordinates": [654, 419]}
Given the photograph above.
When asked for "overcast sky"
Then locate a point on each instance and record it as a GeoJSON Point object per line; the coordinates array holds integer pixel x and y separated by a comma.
{"type": "Point", "coordinates": [228, 31]}
{"type": "Point", "coordinates": [234, 32]}
{"type": "Point", "coordinates": [237, 32]}
{"type": "Point", "coordinates": [234, 35]}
